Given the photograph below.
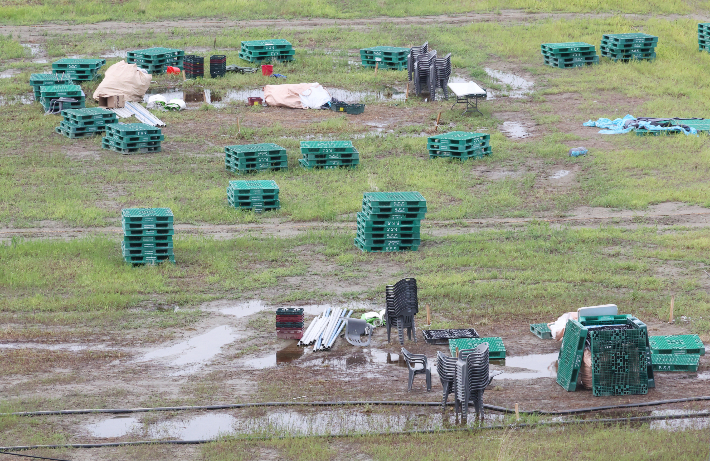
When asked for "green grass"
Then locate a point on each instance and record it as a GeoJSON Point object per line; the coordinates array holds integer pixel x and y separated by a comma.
{"type": "Point", "coordinates": [10, 48]}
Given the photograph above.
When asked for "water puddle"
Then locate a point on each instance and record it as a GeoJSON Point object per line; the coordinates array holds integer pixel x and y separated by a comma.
{"type": "Point", "coordinates": [559, 174]}
{"type": "Point", "coordinates": [539, 366]}
{"type": "Point", "coordinates": [518, 87]}
{"type": "Point", "coordinates": [515, 130]}
{"type": "Point", "coordinates": [201, 427]}
{"type": "Point", "coordinates": [360, 360]}
{"type": "Point", "coordinates": [252, 307]}
{"type": "Point", "coordinates": [674, 425]}
{"type": "Point", "coordinates": [118, 426]}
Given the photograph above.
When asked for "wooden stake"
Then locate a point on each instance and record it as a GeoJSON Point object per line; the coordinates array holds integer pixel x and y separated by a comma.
{"type": "Point", "coordinates": [377, 65]}
{"type": "Point", "coordinates": [183, 76]}
{"type": "Point", "coordinates": [457, 351]}
{"type": "Point", "coordinates": [239, 128]}
{"type": "Point", "coordinates": [428, 315]}
{"type": "Point", "coordinates": [670, 317]}
{"type": "Point", "coordinates": [436, 128]}
{"type": "Point", "coordinates": [517, 414]}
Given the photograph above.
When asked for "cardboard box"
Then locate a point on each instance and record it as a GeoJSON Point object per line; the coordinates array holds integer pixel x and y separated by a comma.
{"type": "Point", "coordinates": [112, 102]}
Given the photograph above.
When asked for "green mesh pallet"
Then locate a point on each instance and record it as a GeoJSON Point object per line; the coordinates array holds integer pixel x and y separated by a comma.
{"type": "Point", "coordinates": [328, 154]}
{"type": "Point", "coordinates": [267, 50]}
{"type": "Point", "coordinates": [156, 60]}
{"type": "Point", "coordinates": [78, 69]}
{"type": "Point", "coordinates": [496, 348]}
{"type": "Point", "coordinates": [253, 195]}
{"type": "Point", "coordinates": [541, 330]}
{"type": "Point", "coordinates": [147, 235]}
{"type": "Point", "coordinates": [570, 54]}
{"type": "Point", "coordinates": [619, 362]}
{"type": "Point", "coordinates": [249, 158]}
{"type": "Point", "coordinates": [39, 80]}
{"type": "Point", "coordinates": [627, 47]}
{"type": "Point", "coordinates": [384, 57]}
{"type": "Point", "coordinates": [673, 362]}
{"type": "Point", "coordinates": [390, 221]}
{"type": "Point", "coordinates": [569, 359]}
{"type": "Point", "coordinates": [677, 344]}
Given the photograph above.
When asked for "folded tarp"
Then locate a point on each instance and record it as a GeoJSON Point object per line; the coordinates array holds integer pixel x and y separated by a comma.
{"type": "Point", "coordinates": [126, 79]}
{"type": "Point", "coordinates": [296, 96]}
{"type": "Point", "coordinates": [629, 122]}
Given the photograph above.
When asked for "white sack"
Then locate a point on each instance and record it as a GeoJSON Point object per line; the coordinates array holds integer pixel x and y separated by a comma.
{"type": "Point", "coordinates": [126, 79]}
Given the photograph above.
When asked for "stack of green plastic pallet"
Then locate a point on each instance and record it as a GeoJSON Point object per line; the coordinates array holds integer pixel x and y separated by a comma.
{"type": "Point", "coordinates": [496, 348]}
{"type": "Point", "coordinates": [250, 158]}
{"type": "Point", "coordinates": [676, 353]}
{"type": "Point", "coordinates": [132, 138]}
{"type": "Point", "coordinates": [40, 80]}
{"type": "Point", "coordinates": [704, 37]}
{"type": "Point", "coordinates": [627, 47]}
{"type": "Point", "coordinates": [571, 54]}
{"type": "Point", "coordinates": [267, 50]}
{"type": "Point", "coordinates": [254, 195]}
{"type": "Point", "coordinates": [79, 70]}
{"type": "Point", "coordinates": [390, 221]}
{"type": "Point", "coordinates": [49, 93]}
{"type": "Point", "coordinates": [328, 154]}
{"type": "Point", "coordinates": [147, 235]}
{"type": "Point", "coordinates": [384, 57]}
{"type": "Point", "coordinates": [459, 145]}
{"type": "Point", "coordinates": [83, 123]}
{"type": "Point", "coordinates": [156, 60]}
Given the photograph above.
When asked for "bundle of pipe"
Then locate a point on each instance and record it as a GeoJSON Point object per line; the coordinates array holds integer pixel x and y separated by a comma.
{"type": "Point", "coordinates": [325, 329]}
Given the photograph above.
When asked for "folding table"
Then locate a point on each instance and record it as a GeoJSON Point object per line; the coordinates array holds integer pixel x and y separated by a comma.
{"type": "Point", "coordinates": [465, 92]}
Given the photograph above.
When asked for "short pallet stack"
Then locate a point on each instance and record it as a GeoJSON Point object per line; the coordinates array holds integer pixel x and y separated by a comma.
{"type": "Point", "coordinates": [267, 50]}
{"type": "Point", "coordinates": [459, 145]}
{"type": "Point", "coordinates": [676, 353]}
{"type": "Point", "coordinates": [328, 155]}
{"type": "Point", "coordinates": [218, 65]}
{"type": "Point", "coordinates": [496, 348]}
{"type": "Point", "coordinates": [384, 57]}
{"type": "Point", "coordinates": [84, 123]}
{"type": "Point", "coordinates": [50, 93]}
{"type": "Point", "coordinates": [567, 55]}
{"type": "Point", "coordinates": [627, 47]}
{"type": "Point", "coordinates": [156, 60]}
{"type": "Point", "coordinates": [194, 66]}
{"type": "Point", "coordinates": [40, 80]}
{"type": "Point", "coordinates": [289, 323]}
{"type": "Point", "coordinates": [147, 235]}
{"type": "Point", "coordinates": [704, 37]}
{"type": "Point", "coordinates": [132, 138]}
{"type": "Point", "coordinates": [390, 221]}
{"type": "Point", "coordinates": [78, 69]}
{"type": "Point", "coordinates": [250, 158]}
{"type": "Point", "coordinates": [257, 196]}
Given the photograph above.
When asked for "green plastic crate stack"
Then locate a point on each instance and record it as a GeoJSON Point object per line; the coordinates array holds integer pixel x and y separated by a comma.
{"type": "Point", "coordinates": [267, 50]}
{"type": "Point", "coordinates": [328, 155]}
{"type": "Point", "coordinates": [84, 123]}
{"type": "Point", "coordinates": [571, 54]}
{"type": "Point", "coordinates": [459, 145]}
{"type": "Point", "coordinates": [390, 221]}
{"type": "Point", "coordinates": [257, 196]}
{"type": "Point", "coordinates": [384, 57]}
{"type": "Point", "coordinates": [48, 93]}
{"type": "Point", "coordinates": [496, 348]}
{"type": "Point", "coordinates": [132, 138]}
{"type": "Point", "coordinates": [619, 362]}
{"type": "Point", "coordinates": [250, 158]}
{"type": "Point", "coordinates": [156, 60]}
{"type": "Point", "coordinates": [79, 70]}
{"type": "Point", "coordinates": [704, 37]}
{"type": "Point", "coordinates": [39, 80]}
{"type": "Point", "coordinates": [147, 235]}
{"type": "Point", "coordinates": [627, 47]}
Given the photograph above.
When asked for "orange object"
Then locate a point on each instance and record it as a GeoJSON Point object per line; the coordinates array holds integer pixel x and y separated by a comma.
{"type": "Point", "coordinates": [173, 70]}
{"type": "Point", "coordinates": [267, 69]}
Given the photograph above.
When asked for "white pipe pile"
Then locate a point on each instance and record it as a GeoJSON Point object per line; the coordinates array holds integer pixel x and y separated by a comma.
{"type": "Point", "coordinates": [324, 329]}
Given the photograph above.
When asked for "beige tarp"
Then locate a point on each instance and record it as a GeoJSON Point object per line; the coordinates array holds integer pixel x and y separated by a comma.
{"type": "Point", "coordinates": [295, 96]}
{"type": "Point", "coordinates": [126, 79]}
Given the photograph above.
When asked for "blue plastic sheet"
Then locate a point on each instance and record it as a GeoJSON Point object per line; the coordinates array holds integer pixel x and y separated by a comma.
{"type": "Point", "coordinates": [623, 125]}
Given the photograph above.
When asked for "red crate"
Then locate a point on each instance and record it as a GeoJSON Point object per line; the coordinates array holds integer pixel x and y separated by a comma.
{"type": "Point", "coordinates": [289, 333]}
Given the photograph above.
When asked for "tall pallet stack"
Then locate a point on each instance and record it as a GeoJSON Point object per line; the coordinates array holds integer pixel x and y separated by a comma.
{"type": "Point", "coordinates": [384, 57]}
{"type": "Point", "coordinates": [328, 155]}
{"type": "Point", "coordinates": [78, 69]}
{"type": "Point", "coordinates": [194, 66]}
{"type": "Point", "coordinates": [147, 235]}
{"type": "Point", "coordinates": [48, 94]}
{"type": "Point", "coordinates": [289, 323]}
{"type": "Point", "coordinates": [267, 50]}
{"type": "Point", "coordinates": [567, 55]}
{"type": "Point", "coordinates": [132, 138]}
{"type": "Point", "coordinates": [627, 47]}
{"type": "Point", "coordinates": [704, 37]}
{"type": "Point", "coordinates": [257, 196]}
{"type": "Point", "coordinates": [40, 80]}
{"type": "Point", "coordinates": [390, 221]}
{"type": "Point", "coordinates": [250, 158]}
{"type": "Point", "coordinates": [459, 145]}
{"type": "Point", "coordinates": [84, 123]}
{"type": "Point", "coordinates": [156, 60]}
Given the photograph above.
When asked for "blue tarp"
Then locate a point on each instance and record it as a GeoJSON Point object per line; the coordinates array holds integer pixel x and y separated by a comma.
{"type": "Point", "coordinates": [629, 122]}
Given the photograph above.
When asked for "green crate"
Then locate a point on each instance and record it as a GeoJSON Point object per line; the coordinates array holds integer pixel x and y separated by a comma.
{"type": "Point", "coordinates": [619, 362]}
{"type": "Point", "coordinates": [672, 362]}
{"type": "Point", "coordinates": [394, 216]}
{"type": "Point", "coordinates": [541, 330]}
{"type": "Point", "coordinates": [368, 229]}
{"type": "Point", "coordinates": [570, 357]}
{"type": "Point", "coordinates": [148, 232]}
{"type": "Point", "coordinates": [272, 159]}
{"type": "Point", "coordinates": [248, 205]}
{"type": "Point", "coordinates": [146, 251]}
{"type": "Point", "coordinates": [676, 344]}
{"type": "Point", "coordinates": [81, 129]}
{"type": "Point", "coordinates": [592, 320]}
{"type": "Point", "coordinates": [496, 348]}
{"type": "Point", "coordinates": [477, 152]}
{"type": "Point", "coordinates": [631, 57]}
{"type": "Point", "coordinates": [567, 47]}
{"type": "Point", "coordinates": [700, 125]}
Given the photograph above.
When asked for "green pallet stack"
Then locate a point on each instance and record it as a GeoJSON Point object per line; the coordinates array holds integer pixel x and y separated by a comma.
{"type": "Point", "coordinates": [84, 123]}
{"type": "Point", "coordinates": [459, 145]}
{"type": "Point", "coordinates": [704, 37]}
{"type": "Point", "coordinates": [156, 60]}
{"type": "Point", "coordinates": [250, 158]}
{"type": "Point", "coordinates": [676, 353]}
{"type": "Point", "coordinates": [132, 138]}
{"type": "Point", "coordinates": [267, 50]}
{"type": "Point", "coordinates": [49, 93]}
{"type": "Point", "coordinates": [627, 47]}
{"type": "Point", "coordinates": [40, 80]}
{"type": "Point", "coordinates": [147, 235]}
{"type": "Point", "coordinates": [390, 221]}
{"type": "Point", "coordinates": [328, 155]}
{"type": "Point", "coordinates": [80, 70]}
{"type": "Point", "coordinates": [257, 196]}
{"type": "Point", "coordinates": [571, 54]}
{"type": "Point", "coordinates": [384, 57]}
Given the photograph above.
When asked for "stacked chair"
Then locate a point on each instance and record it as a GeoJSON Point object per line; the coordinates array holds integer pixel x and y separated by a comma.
{"type": "Point", "coordinates": [414, 54]}
{"type": "Point", "coordinates": [443, 72]}
{"type": "Point", "coordinates": [446, 368]}
{"type": "Point", "coordinates": [402, 306]}
{"type": "Point", "coordinates": [428, 71]}
{"type": "Point", "coordinates": [471, 379]}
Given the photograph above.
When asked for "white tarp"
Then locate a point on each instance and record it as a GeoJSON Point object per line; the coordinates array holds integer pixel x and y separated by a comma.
{"type": "Point", "coordinates": [296, 96]}
{"type": "Point", "coordinates": [126, 79]}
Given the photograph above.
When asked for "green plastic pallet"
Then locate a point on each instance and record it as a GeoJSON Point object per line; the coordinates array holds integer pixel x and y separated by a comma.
{"type": "Point", "coordinates": [458, 137]}
{"type": "Point", "coordinates": [273, 44]}
{"type": "Point", "coordinates": [133, 129]}
{"type": "Point", "coordinates": [568, 47]}
{"type": "Point", "coordinates": [672, 362]}
{"type": "Point", "coordinates": [570, 357]}
{"type": "Point", "coordinates": [310, 166]}
{"type": "Point", "coordinates": [496, 348]}
{"type": "Point", "coordinates": [541, 330]}
{"type": "Point", "coordinates": [74, 134]}
{"type": "Point", "coordinates": [58, 91]}
{"type": "Point", "coordinates": [384, 248]}
{"type": "Point", "coordinates": [254, 148]}
{"type": "Point", "coordinates": [619, 362]}
{"type": "Point", "coordinates": [143, 214]}
{"type": "Point", "coordinates": [677, 344]}
{"type": "Point", "coordinates": [636, 37]}
{"type": "Point", "coordinates": [264, 185]}
{"type": "Point", "coordinates": [71, 64]}
{"type": "Point", "coordinates": [396, 199]}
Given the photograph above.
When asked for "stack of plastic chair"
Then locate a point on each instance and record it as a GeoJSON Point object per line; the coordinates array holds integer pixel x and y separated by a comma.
{"type": "Point", "coordinates": [443, 72]}
{"type": "Point", "coordinates": [478, 377]}
{"type": "Point", "coordinates": [417, 365]}
{"type": "Point", "coordinates": [414, 54]}
{"type": "Point", "coordinates": [461, 388]}
{"type": "Point", "coordinates": [402, 305]}
{"type": "Point", "coordinates": [424, 73]}
{"type": "Point", "coordinates": [446, 368]}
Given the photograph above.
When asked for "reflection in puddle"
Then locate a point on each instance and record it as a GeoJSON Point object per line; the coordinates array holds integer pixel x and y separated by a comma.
{"type": "Point", "coordinates": [515, 130]}
{"type": "Point", "coordinates": [254, 306]}
{"type": "Point", "coordinates": [363, 359]}
{"type": "Point", "coordinates": [559, 174]}
{"type": "Point", "coordinates": [201, 427]}
{"type": "Point", "coordinates": [674, 425]}
{"type": "Point", "coordinates": [542, 366]}
{"type": "Point", "coordinates": [117, 426]}
{"type": "Point", "coordinates": [518, 86]}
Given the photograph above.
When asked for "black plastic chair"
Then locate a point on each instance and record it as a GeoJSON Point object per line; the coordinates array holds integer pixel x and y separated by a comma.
{"type": "Point", "coordinates": [355, 329]}
{"type": "Point", "coordinates": [446, 368]}
{"type": "Point", "coordinates": [417, 364]}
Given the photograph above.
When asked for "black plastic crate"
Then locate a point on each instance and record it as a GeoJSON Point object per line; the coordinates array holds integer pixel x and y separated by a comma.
{"type": "Point", "coordinates": [442, 337]}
